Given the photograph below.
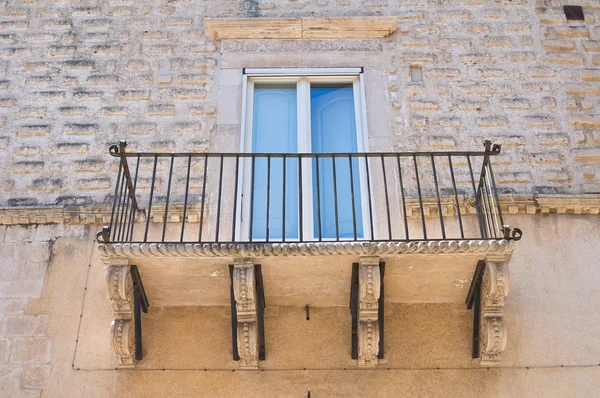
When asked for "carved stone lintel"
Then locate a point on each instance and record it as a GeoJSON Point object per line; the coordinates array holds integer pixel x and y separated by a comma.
{"type": "Point", "coordinates": [244, 289]}
{"type": "Point", "coordinates": [123, 341]}
{"type": "Point", "coordinates": [369, 280]}
{"type": "Point", "coordinates": [120, 292]}
{"type": "Point", "coordinates": [492, 333]}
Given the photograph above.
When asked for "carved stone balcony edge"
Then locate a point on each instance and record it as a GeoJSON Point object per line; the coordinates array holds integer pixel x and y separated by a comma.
{"type": "Point", "coordinates": [110, 251]}
{"type": "Point", "coordinates": [492, 333]}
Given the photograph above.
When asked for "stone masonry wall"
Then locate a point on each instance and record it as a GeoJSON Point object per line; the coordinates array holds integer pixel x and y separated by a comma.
{"type": "Point", "coordinates": [77, 76]}
{"type": "Point", "coordinates": [25, 348]}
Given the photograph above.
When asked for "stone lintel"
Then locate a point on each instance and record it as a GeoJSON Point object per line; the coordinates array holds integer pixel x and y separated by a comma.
{"type": "Point", "coordinates": [298, 28]}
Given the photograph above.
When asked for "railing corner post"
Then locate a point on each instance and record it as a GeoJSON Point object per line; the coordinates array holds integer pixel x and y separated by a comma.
{"type": "Point", "coordinates": [487, 145]}
{"type": "Point", "coordinates": [104, 235]}
{"type": "Point", "coordinates": [512, 233]}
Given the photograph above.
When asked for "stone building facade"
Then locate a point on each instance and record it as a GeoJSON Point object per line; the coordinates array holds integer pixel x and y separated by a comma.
{"type": "Point", "coordinates": [79, 76]}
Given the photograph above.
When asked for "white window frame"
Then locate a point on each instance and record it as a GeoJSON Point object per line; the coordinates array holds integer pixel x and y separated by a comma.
{"type": "Point", "coordinates": [302, 77]}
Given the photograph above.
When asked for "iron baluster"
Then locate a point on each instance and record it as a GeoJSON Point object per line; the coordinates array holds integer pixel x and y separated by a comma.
{"type": "Point", "coordinates": [420, 198]}
{"type": "Point", "coordinates": [148, 215]}
{"type": "Point", "coordinates": [476, 196]}
{"type": "Point", "coordinates": [462, 234]}
{"type": "Point", "coordinates": [335, 202]}
{"type": "Point", "coordinates": [187, 190]}
{"type": "Point", "coordinates": [164, 231]}
{"type": "Point", "coordinates": [133, 208]}
{"type": "Point", "coordinates": [387, 199]}
{"type": "Point", "coordinates": [496, 194]}
{"type": "Point", "coordinates": [120, 209]}
{"type": "Point", "coordinates": [318, 198]}
{"type": "Point", "coordinates": [235, 197]}
{"type": "Point", "coordinates": [252, 196]}
{"type": "Point", "coordinates": [203, 199]}
{"type": "Point", "coordinates": [219, 199]}
{"type": "Point", "coordinates": [124, 217]}
{"type": "Point", "coordinates": [352, 196]}
{"type": "Point", "coordinates": [489, 220]}
{"type": "Point", "coordinates": [268, 195]}
{"type": "Point", "coordinates": [437, 191]}
{"type": "Point", "coordinates": [369, 198]}
{"type": "Point", "coordinates": [406, 234]}
{"type": "Point", "coordinates": [117, 229]}
{"type": "Point", "coordinates": [283, 200]}
{"type": "Point", "coordinates": [301, 204]}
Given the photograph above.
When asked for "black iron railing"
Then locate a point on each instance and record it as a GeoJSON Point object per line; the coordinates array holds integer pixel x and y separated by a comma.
{"type": "Point", "coordinates": [285, 197]}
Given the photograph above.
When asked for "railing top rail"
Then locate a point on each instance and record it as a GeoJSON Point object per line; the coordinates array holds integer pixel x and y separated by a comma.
{"type": "Point", "coordinates": [490, 151]}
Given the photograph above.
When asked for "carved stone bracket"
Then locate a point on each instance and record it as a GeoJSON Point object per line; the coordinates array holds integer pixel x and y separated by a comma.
{"type": "Point", "coordinates": [120, 292]}
{"type": "Point", "coordinates": [120, 289]}
{"type": "Point", "coordinates": [369, 282]}
{"type": "Point", "coordinates": [492, 333]}
{"type": "Point", "coordinates": [244, 289]}
{"type": "Point", "coordinates": [123, 341]}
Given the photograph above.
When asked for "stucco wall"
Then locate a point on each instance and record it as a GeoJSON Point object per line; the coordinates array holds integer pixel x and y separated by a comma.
{"type": "Point", "coordinates": [56, 338]}
{"type": "Point", "coordinates": [78, 76]}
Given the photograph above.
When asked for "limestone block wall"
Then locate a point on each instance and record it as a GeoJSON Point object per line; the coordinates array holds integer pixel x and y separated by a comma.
{"type": "Point", "coordinates": [78, 76]}
{"type": "Point", "coordinates": [25, 343]}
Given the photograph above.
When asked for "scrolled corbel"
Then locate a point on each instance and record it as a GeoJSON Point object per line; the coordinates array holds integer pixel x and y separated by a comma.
{"type": "Point", "coordinates": [492, 332]}
{"type": "Point", "coordinates": [123, 341]}
{"type": "Point", "coordinates": [120, 291]}
{"type": "Point", "coordinates": [369, 283]}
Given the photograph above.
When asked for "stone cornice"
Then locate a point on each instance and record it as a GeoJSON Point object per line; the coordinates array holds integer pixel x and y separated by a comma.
{"type": "Point", "coordinates": [500, 249]}
{"type": "Point", "coordinates": [299, 28]}
{"type": "Point", "coordinates": [559, 204]}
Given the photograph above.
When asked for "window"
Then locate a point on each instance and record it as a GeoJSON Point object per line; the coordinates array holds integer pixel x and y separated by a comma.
{"type": "Point", "coordinates": [303, 111]}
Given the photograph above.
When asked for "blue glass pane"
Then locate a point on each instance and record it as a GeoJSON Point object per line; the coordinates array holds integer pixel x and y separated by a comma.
{"type": "Point", "coordinates": [274, 129]}
{"type": "Point", "coordinates": [333, 129]}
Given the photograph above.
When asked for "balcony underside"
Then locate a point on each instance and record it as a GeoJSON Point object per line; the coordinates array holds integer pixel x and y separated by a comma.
{"type": "Point", "coordinates": [200, 338]}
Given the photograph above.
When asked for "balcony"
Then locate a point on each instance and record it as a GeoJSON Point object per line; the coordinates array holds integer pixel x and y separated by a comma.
{"type": "Point", "coordinates": [358, 216]}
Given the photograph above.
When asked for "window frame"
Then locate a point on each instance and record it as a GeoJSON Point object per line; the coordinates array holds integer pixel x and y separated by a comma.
{"type": "Point", "coordinates": [302, 77]}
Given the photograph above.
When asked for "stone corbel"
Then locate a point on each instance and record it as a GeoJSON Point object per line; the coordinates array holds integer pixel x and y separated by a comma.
{"type": "Point", "coordinates": [245, 294]}
{"type": "Point", "coordinates": [123, 341]}
{"type": "Point", "coordinates": [120, 292]}
{"type": "Point", "coordinates": [492, 332]}
{"type": "Point", "coordinates": [369, 282]}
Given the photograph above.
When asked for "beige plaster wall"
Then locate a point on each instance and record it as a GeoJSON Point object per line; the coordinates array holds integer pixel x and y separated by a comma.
{"type": "Point", "coordinates": [54, 338]}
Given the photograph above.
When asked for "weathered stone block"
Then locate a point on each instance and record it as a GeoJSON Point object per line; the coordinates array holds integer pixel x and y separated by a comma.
{"type": "Point", "coordinates": [30, 350]}
{"type": "Point", "coordinates": [35, 376]}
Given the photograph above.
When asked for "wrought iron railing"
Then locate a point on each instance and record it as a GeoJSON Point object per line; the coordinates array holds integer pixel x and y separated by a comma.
{"type": "Point", "coordinates": [286, 197]}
